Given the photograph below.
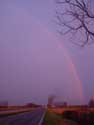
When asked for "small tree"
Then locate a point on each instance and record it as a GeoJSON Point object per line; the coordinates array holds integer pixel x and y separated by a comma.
{"type": "Point", "coordinates": [91, 103]}
{"type": "Point", "coordinates": [76, 17]}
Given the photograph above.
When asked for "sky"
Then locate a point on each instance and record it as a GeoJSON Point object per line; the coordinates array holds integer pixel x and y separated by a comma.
{"type": "Point", "coordinates": [36, 61]}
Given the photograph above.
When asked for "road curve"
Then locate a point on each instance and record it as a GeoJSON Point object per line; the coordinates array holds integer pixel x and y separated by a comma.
{"type": "Point", "coordinates": [27, 118]}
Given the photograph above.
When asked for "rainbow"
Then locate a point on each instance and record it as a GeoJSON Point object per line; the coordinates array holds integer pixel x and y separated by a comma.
{"type": "Point", "coordinates": [76, 86]}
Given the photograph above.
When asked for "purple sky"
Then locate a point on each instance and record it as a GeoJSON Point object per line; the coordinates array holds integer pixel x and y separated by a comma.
{"type": "Point", "coordinates": [35, 61]}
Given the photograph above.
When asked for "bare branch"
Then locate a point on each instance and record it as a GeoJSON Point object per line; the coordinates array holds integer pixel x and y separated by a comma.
{"type": "Point", "coordinates": [77, 16]}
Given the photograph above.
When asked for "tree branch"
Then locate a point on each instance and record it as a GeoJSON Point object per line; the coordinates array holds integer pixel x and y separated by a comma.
{"type": "Point", "coordinates": [81, 16]}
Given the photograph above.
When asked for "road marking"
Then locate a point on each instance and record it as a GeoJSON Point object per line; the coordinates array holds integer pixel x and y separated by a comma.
{"type": "Point", "coordinates": [41, 120]}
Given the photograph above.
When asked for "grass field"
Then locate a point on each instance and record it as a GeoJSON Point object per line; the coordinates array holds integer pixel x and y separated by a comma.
{"type": "Point", "coordinates": [52, 118]}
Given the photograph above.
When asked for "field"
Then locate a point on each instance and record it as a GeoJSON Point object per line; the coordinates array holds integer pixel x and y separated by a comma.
{"type": "Point", "coordinates": [71, 108]}
{"type": "Point", "coordinates": [80, 115]}
{"type": "Point", "coordinates": [52, 118]}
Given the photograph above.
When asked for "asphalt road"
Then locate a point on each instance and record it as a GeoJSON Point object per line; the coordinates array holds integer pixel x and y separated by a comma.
{"type": "Point", "coordinates": [27, 118]}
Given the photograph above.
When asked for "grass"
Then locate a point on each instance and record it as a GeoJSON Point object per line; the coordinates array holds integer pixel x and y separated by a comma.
{"type": "Point", "coordinates": [52, 118]}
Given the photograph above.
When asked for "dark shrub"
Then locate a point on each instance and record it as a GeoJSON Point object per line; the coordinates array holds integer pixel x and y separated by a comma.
{"type": "Point", "coordinates": [92, 118]}
{"type": "Point", "coordinates": [83, 118]}
{"type": "Point", "coordinates": [72, 115]}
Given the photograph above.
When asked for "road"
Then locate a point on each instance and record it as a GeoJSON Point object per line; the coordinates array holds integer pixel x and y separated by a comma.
{"type": "Point", "coordinates": [5, 112]}
{"type": "Point", "coordinates": [27, 118]}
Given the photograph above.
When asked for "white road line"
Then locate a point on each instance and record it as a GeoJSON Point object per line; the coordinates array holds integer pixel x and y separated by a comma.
{"type": "Point", "coordinates": [41, 120]}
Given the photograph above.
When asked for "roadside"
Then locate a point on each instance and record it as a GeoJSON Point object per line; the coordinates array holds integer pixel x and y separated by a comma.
{"type": "Point", "coordinates": [52, 118]}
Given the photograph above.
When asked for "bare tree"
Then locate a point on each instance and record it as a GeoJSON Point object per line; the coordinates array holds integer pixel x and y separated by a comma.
{"type": "Point", "coordinates": [76, 17]}
{"type": "Point", "coordinates": [51, 99]}
{"type": "Point", "coordinates": [91, 103]}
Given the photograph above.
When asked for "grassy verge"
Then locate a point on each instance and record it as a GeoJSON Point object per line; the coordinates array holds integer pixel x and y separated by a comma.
{"type": "Point", "coordinates": [52, 118]}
